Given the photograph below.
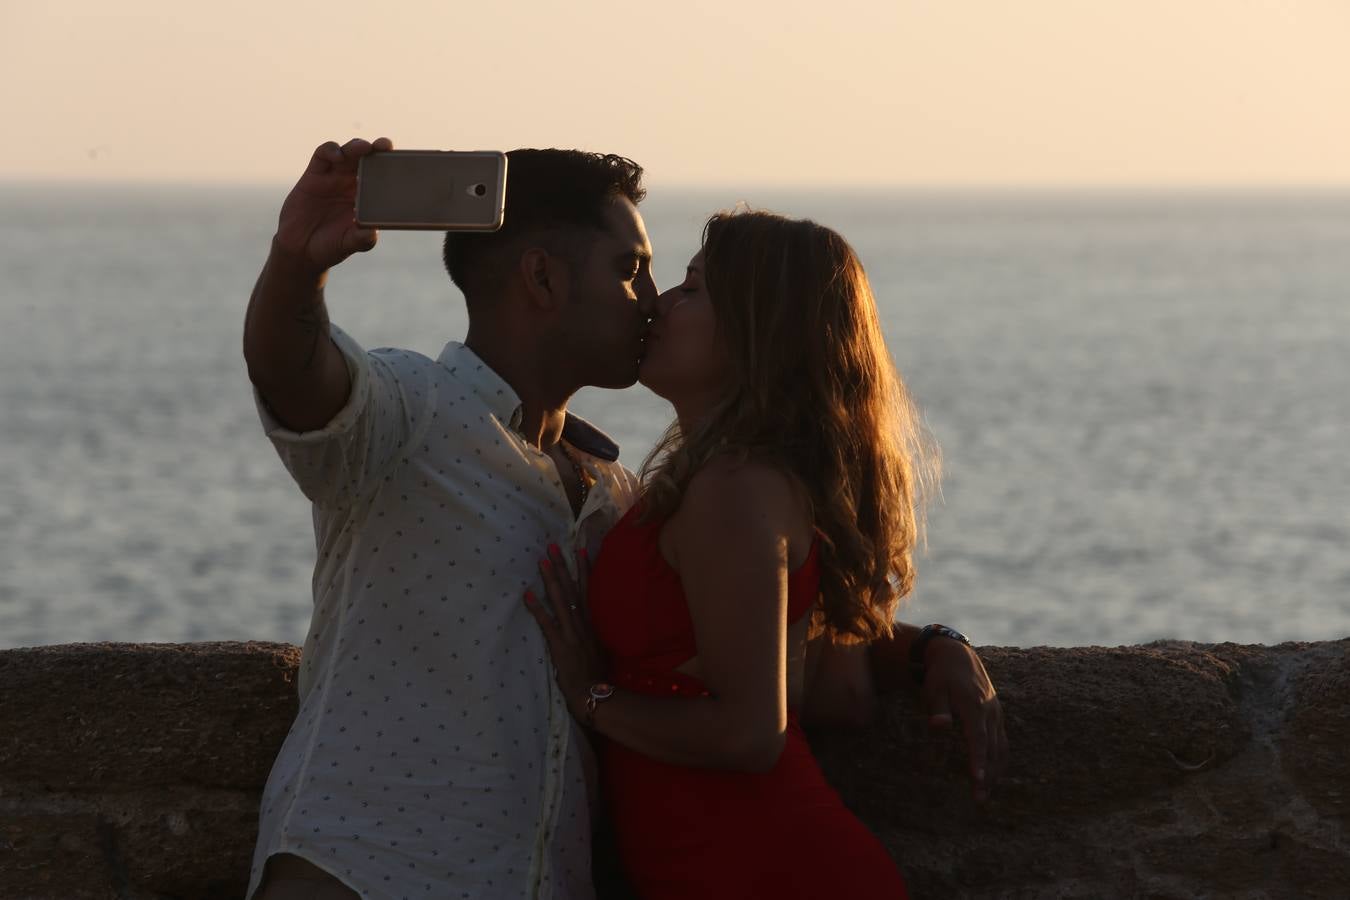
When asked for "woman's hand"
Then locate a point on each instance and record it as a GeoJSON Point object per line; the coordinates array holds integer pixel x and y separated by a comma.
{"type": "Point", "coordinates": [958, 683]}
{"type": "Point", "coordinates": [578, 660]}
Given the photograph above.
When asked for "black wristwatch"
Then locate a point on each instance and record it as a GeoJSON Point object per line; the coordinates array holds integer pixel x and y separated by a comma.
{"type": "Point", "coordinates": [917, 667]}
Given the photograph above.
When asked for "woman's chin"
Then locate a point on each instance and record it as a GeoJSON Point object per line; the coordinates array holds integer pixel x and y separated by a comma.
{"type": "Point", "coordinates": [649, 376]}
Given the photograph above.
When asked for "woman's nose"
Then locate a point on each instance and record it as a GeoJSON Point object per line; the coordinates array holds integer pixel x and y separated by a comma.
{"type": "Point", "coordinates": [665, 301]}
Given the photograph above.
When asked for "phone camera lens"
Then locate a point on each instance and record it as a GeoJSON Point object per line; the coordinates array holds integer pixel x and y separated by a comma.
{"type": "Point", "coordinates": [478, 190]}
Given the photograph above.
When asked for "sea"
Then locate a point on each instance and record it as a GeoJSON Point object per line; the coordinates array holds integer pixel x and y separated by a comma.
{"type": "Point", "coordinates": [1142, 400]}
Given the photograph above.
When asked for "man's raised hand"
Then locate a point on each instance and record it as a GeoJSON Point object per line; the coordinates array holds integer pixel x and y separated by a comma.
{"type": "Point", "coordinates": [317, 228]}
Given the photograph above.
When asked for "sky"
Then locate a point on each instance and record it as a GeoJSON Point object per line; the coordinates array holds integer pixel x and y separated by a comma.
{"type": "Point", "coordinates": [701, 92]}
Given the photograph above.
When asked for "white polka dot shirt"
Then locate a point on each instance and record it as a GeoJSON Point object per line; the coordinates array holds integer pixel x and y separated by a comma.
{"type": "Point", "coordinates": [433, 755]}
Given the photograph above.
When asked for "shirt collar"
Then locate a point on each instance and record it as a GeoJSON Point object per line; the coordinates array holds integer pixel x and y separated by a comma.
{"type": "Point", "coordinates": [469, 369]}
{"type": "Point", "coordinates": [589, 439]}
{"type": "Point", "coordinates": [504, 403]}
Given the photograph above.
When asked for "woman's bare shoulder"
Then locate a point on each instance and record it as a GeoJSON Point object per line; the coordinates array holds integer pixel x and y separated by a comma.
{"type": "Point", "coordinates": [746, 497]}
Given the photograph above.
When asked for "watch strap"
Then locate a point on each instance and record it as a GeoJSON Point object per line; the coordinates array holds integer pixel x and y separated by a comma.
{"type": "Point", "coordinates": [917, 667]}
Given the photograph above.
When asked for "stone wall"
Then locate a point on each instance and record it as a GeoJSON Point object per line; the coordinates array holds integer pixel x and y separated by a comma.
{"type": "Point", "coordinates": [1172, 770]}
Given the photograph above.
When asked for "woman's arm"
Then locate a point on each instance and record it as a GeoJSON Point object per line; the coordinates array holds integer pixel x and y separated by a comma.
{"type": "Point", "coordinates": [839, 691]}
{"type": "Point", "coordinates": [731, 540]}
{"type": "Point", "coordinates": [843, 683]}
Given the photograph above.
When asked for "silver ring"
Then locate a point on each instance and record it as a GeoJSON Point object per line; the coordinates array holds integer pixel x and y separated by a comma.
{"type": "Point", "coordinates": [573, 607]}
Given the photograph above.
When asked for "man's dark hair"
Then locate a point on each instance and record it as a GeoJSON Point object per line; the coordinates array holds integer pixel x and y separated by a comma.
{"type": "Point", "coordinates": [550, 195]}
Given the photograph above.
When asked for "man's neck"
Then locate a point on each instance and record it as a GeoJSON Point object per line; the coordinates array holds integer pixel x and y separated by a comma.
{"type": "Point", "coordinates": [543, 393]}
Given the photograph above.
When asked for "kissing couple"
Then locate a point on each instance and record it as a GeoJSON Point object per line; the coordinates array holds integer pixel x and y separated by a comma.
{"type": "Point", "coordinates": [529, 671]}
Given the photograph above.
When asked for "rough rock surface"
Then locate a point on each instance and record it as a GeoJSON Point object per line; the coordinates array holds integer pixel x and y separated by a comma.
{"type": "Point", "coordinates": [1172, 770]}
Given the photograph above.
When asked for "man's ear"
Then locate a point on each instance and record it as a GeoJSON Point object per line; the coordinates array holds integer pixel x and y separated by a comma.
{"type": "Point", "coordinates": [546, 277]}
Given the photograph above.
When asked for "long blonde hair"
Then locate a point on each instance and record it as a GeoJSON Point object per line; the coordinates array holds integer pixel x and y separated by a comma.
{"type": "Point", "coordinates": [813, 391]}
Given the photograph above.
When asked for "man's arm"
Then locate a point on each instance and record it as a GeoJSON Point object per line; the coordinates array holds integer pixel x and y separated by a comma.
{"type": "Point", "coordinates": [844, 682]}
{"type": "Point", "coordinates": [291, 359]}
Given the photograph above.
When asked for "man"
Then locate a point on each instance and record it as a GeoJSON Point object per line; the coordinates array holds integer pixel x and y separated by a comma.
{"type": "Point", "coordinates": [432, 755]}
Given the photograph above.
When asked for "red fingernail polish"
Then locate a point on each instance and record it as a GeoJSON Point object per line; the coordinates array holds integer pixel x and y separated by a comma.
{"type": "Point", "coordinates": [545, 565]}
{"type": "Point", "coordinates": [584, 554]}
{"type": "Point", "coordinates": [554, 548]}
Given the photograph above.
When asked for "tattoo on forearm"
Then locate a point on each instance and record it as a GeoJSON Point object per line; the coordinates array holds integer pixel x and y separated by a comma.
{"type": "Point", "coordinates": [314, 323]}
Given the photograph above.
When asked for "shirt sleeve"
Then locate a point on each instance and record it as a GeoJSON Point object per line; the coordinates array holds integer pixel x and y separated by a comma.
{"type": "Point", "coordinates": [342, 460]}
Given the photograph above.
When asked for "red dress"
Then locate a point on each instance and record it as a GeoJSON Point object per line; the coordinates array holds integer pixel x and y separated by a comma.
{"type": "Point", "coordinates": [704, 834]}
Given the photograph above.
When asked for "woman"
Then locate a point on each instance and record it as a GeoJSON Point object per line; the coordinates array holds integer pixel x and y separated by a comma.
{"type": "Point", "coordinates": [785, 501]}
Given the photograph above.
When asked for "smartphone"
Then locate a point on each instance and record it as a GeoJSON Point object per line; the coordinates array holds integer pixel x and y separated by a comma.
{"type": "Point", "coordinates": [428, 190]}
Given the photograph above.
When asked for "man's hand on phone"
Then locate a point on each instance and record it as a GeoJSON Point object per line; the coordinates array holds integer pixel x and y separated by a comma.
{"type": "Point", "coordinates": [317, 227]}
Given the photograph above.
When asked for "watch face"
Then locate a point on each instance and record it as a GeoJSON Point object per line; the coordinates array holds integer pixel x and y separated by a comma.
{"type": "Point", "coordinates": [953, 634]}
